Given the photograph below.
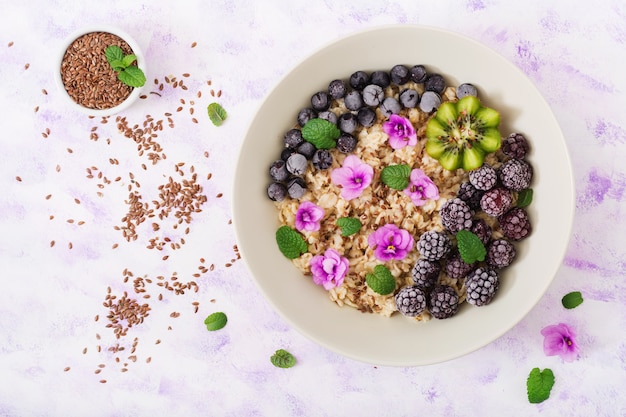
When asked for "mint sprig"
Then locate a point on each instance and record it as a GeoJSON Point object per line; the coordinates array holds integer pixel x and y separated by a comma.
{"type": "Point", "coordinates": [321, 133]}
{"type": "Point", "coordinates": [525, 197]}
{"type": "Point", "coordinates": [283, 359]}
{"type": "Point", "coordinates": [471, 248]}
{"type": "Point", "coordinates": [290, 242]}
{"type": "Point", "coordinates": [217, 114]}
{"type": "Point", "coordinates": [215, 321]}
{"type": "Point", "coordinates": [129, 74]}
{"type": "Point", "coordinates": [539, 384]}
{"type": "Point", "coordinates": [572, 299]}
{"type": "Point", "coordinates": [396, 176]}
{"type": "Point", "coordinates": [381, 280]}
{"type": "Point", "coordinates": [349, 225]}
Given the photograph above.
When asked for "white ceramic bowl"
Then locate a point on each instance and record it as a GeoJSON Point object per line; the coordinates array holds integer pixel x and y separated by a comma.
{"type": "Point", "coordinates": [141, 63]}
{"type": "Point", "coordinates": [398, 340]}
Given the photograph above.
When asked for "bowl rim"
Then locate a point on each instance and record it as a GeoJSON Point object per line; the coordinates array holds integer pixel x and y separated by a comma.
{"type": "Point", "coordinates": [134, 45]}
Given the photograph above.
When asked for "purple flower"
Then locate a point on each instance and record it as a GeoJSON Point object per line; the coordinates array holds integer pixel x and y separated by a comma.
{"type": "Point", "coordinates": [401, 132]}
{"type": "Point", "coordinates": [308, 217]}
{"type": "Point", "coordinates": [390, 242]}
{"type": "Point", "coordinates": [559, 339]}
{"type": "Point", "coordinates": [329, 269]}
{"type": "Point", "coordinates": [353, 177]}
{"type": "Point", "coordinates": [421, 188]}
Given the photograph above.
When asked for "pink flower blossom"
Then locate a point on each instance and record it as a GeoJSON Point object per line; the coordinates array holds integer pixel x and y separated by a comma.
{"type": "Point", "coordinates": [559, 339]}
{"type": "Point", "coordinates": [353, 177]}
{"type": "Point", "coordinates": [329, 269]}
{"type": "Point", "coordinates": [421, 188]}
{"type": "Point", "coordinates": [390, 242]}
{"type": "Point", "coordinates": [308, 217]}
{"type": "Point", "coordinates": [401, 132]}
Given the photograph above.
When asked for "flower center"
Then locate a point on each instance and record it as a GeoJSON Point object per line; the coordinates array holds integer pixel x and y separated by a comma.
{"type": "Point", "coordinates": [568, 341]}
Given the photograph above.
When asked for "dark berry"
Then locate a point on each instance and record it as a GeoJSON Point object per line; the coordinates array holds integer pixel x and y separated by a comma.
{"type": "Point", "coordinates": [409, 98]}
{"type": "Point", "coordinates": [456, 267]}
{"type": "Point", "coordinates": [515, 145]}
{"type": "Point", "coordinates": [278, 171]}
{"type": "Point", "coordinates": [483, 178]}
{"type": "Point", "coordinates": [346, 143]}
{"type": "Point", "coordinates": [293, 138]}
{"type": "Point", "coordinates": [410, 301]}
{"type": "Point", "coordinates": [456, 215]}
{"type": "Point", "coordinates": [418, 74]}
{"type": "Point", "coordinates": [328, 116]}
{"type": "Point", "coordinates": [380, 78]}
{"type": "Point", "coordinates": [286, 153]}
{"type": "Point", "coordinates": [430, 101]}
{"type": "Point", "coordinates": [515, 224]}
{"type": "Point", "coordinates": [482, 229]}
{"type": "Point", "coordinates": [390, 106]}
{"type": "Point", "coordinates": [359, 80]}
{"type": "Point", "coordinates": [353, 100]}
{"type": "Point", "coordinates": [305, 115]}
{"type": "Point", "coordinates": [347, 122]}
{"type": "Point", "coordinates": [496, 201]}
{"type": "Point", "coordinates": [297, 164]}
{"type": "Point", "coordinates": [399, 74]}
{"type": "Point", "coordinates": [322, 159]}
{"type": "Point", "coordinates": [434, 245]}
{"type": "Point", "coordinates": [481, 286]}
{"type": "Point", "coordinates": [436, 83]}
{"type": "Point", "coordinates": [320, 101]}
{"type": "Point", "coordinates": [277, 191]}
{"type": "Point", "coordinates": [366, 117]}
{"type": "Point", "coordinates": [307, 149]}
{"type": "Point", "coordinates": [337, 89]}
{"type": "Point", "coordinates": [516, 174]}
{"type": "Point", "coordinates": [500, 253]}
{"type": "Point", "coordinates": [466, 89]}
{"type": "Point", "coordinates": [373, 94]}
{"type": "Point", "coordinates": [425, 273]}
{"type": "Point", "coordinates": [470, 194]}
{"type": "Point", "coordinates": [296, 187]}
{"type": "Point", "coordinates": [443, 302]}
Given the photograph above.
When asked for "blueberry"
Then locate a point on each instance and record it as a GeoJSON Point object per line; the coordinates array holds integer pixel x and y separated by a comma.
{"type": "Point", "coordinates": [286, 153]}
{"type": "Point", "coordinates": [293, 138]}
{"type": "Point", "coordinates": [346, 143]}
{"type": "Point", "coordinates": [328, 116]}
{"type": "Point", "coordinates": [366, 117]}
{"type": "Point", "coordinates": [322, 159]}
{"type": "Point", "coordinates": [297, 164]}
{"type": "Point", "coordinates": [320, 101]}
{"type": "Point", "coordinates": [380, 78]}
{"type": "Point", "coordinates": [353, 100]}
{"type": "Point", "coordinates": [305, 115]}
{"type": "Point", "coordinates": [307, 149]}
{"type": "Point", "coordinates": [277, 191]}
{"type": "Point", "coordinates": [466, 89]}
{"type": "Point", "coordinates": [418, 74]}
{"type": "Point", "coordinates": [399, 74]}
{"type": "Point", "coordinates": [278, 171]}
{"type": "Point", "coordinates": [430, 101]}
{"type": "Point", "coordinates": [337, 89]}
{"type": "Point", "coordinates": [373, 94]}
{"type": "Point", "coordinates": [359, 80]}
{"type": "Point", "coordinates": [436, 83]}
{"type": "Point", "coordinates": [347, 122]}
{"type": "Point", "coordinates": [296, 187]}
{"type": "Point", "coordinates": [409, 98]}
{"type": "Point", "coordinates": [390, 106]}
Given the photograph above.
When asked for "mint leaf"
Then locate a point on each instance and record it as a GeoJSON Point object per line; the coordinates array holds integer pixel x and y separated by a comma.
{"type": "Point", "coordinates": [283, 359]}
{"type": "Point", "coordinates": [349, 225]}
{"type": "Point", "coordinates": [114, 53]}
{"type": "Point", "coordinates": [381, 280]}
{"type": "Point", "coordinates": [396, 176]}
{"type": "Point", "coordinates": [217, 114]}
{"type": "Point", "coordinates": [117, 65]}
{"type": "Point", "coordinates": [539, 384]}
{"type": "Point", "coordinates": [525, 197]}
{"type": "Point", "coordinates": [572, 300]}
{"type": "Point", "coordinates": [132, 76]}
{"type": "Point", "coordinates": [129, 59]}
{"type": "Point", "coordinates": [470, 246]}
{"type": "Point", "coordinates": [321, 133]}
{"type": "Point", "coordinates": [215, 321]}
{"type": "Point", "coordinates": [290, 242]}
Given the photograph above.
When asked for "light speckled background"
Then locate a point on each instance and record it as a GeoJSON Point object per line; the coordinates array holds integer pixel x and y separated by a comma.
{"type": "Point", "coordinates": [574, 51]}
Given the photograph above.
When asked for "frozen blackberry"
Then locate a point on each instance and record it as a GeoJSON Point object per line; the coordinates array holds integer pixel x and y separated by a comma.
{"type": "Point", "coordinates": [411, 300]}
{"type": "Point", "coordinates": [496, 202]}
{"type": "Point", "coordinates": [470, 194]}
{"type": "Point", "coordinates": [434, 245]}
{"type": "Point", "coordinates": [483, 178]}
{"type": "Point", "coordinates": [481, 286]}
{"type": "Point", "coordinates": [443, 302]}
{"type": "Point", "coordinates": [515, 145]}
{"type": "Point", "coordinates": [515, 224]}
{"type": "Point", "coordinates": [456, 215]}
{"type": "Point", "coordinates": [425, 273]}
{"type": "Point", "coordinates": [516, 174]}
{"type": "Point", "coordinates": [456, 268]}
{"type": "Point", "coordinates": [500, 253]}
{"type": "Point", "coordinates": [482, 229]}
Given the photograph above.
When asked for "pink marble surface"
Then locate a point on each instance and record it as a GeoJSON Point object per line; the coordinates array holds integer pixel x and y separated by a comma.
{"type": "Point", "coordinates": [50, 295]}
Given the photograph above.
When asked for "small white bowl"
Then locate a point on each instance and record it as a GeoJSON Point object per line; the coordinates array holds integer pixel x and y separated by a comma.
{"type": "Point", "coordinates": [134, 95]}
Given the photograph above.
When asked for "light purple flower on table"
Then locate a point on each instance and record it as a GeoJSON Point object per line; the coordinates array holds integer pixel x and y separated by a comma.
{"type": "Point", "coordinates": [560, 339]}
{"type": "Point", "coordinates": [329, 269]}
{"type": "Point", "coordinates": [390, 242]}
{"type": "Point", "coordinates": [308, 217]}
{"type": "Point", "coordinates": [353, 177]}
{"type": "Point", "coordinates": [401, 132]}
{"type": "Point", "coordinates": [421, 188]}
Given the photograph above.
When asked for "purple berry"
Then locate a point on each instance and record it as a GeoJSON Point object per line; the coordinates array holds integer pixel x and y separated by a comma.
{"type": "Point", "coordinates": [496, 201]}
{"type": "Point", "coordinates": [483, 178]}
{"type": "Point", "coordinates": [500, 253]}
{"type": "Point", "coordinates": [515, 146]}
{"type": "Point", "coordinates": [515, 224]}
{"type": "Point", "coordinates": [516, 174]}
{"type": "Point", "coordinates": [443, 302]}
{"type": "Point", "coordinates": [456, 215]}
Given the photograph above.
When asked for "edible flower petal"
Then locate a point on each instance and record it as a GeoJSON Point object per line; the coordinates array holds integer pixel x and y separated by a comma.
{"type": "Point", "coordinates": [390, 242]}
{"type": "Point", "coordinates": [401, 132]}
{"type": "Point", "coordinates": [329, 269]}
{"type": "Point", "coordinates": [560, 339]}
{"type": "Point", "coordinates": [308, 217]}
{"type": "Point", "coordinates": [353, 177]}
{"type": "Point", "coordinates": [421, 188]}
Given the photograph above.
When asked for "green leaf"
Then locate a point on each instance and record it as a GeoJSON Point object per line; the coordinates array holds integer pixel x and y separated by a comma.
{"type": "Point", "coordinates": [381, 280]}
{"type": "Point", "coordinates": [572, 300]}
{"type": "Point", "coordinates": [117, 65]}
{"type": "Point", "coordinates": [114, 53]}
{"type": "Point", "coordinates": [215, 321]}
{"type": "Point", "coordinates": [217, 114]}
{"type": "Point", "coordinates": [129, 59]}
{"type": "Point", "coordinates": [470, 246]}
{"type": "Point", "coordinates": [132, 76]}
{"type": "Point", "coordinates": [349, 225]}
{"type": "Point", "coordinates": [321, 133]}
{"type": "Point", "coordinates": [396, 176]}
{"type": "Point", "coordinates": [525, 197]}
{"type": "Point", "coordinates": [283, 359]}
{"type": "Point", "coordinates": [539, 384]}
{"type": "Point", "coordinates": [290, 242]}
